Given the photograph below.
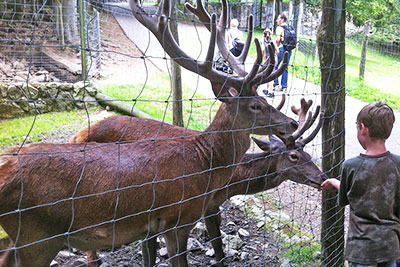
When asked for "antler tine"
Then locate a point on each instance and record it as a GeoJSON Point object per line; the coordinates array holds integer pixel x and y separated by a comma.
{"type": "Point", "coordinates": [306, 124]}
{"type": "Point", "coordinates": [302, 111]}
{"type": "Point", "coordinates": [235, 62]}
{"type": "Point", "coordinates": [160, 28]}
{"type": "Point", "coordinates": [250, 29]}
{"type": "Point", "coordinates": [200, 12]}
{"type": "Point", "coordinates": [256, 66]}
{"type": "Point", "coordinates": [261, 79]}
{"type": "Point", "coordinates": [279, 107]}
{"type": "Point", "coordinates": [314, 133]}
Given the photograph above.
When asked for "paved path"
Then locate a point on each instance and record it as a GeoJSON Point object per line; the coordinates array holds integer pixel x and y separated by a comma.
{"type": "Point", "coordinates": [194, 41]}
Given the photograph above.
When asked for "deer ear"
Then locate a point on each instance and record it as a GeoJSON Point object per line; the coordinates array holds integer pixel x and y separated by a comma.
{"type": "Point", "coordinates": [223, 93]}
{"type": "Point", "coordinates": [270, 146]}
{"type": "Point", "coordinates": [264, 145]}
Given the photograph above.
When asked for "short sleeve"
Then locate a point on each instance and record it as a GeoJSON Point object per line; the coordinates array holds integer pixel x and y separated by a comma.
{"type": "Point", "coordinates": [280, 31]}
{"type": "Point", "coordinates": [345, 179]}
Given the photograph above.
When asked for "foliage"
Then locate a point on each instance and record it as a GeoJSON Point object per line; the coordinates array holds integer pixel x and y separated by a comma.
{"type": "Point", "coordinates": [302, 254]}
{"type": "Point", "coordinates": [361, 10]}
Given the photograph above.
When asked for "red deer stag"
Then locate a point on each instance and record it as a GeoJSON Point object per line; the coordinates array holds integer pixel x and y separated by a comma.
{"type": "Point", "coordinates": [97, 196]}
{"type": "Point", "coordinates": [280, 161]}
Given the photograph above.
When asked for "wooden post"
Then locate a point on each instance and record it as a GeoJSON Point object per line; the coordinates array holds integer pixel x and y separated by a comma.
{"type": "Point", "coordinates": [331, 50]}
{"type": "Point", "coordinates": [367, 28]}
{"type": "Point", "coordinates": [83, 39]}
{"type": "Point", "coordinates": [176, 77]}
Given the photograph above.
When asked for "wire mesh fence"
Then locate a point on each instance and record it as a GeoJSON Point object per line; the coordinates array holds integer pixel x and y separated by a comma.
{"type": "Point", "coordinates": [148, 191]}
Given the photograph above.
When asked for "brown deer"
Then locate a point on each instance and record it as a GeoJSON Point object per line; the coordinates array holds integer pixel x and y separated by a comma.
{"type": "Point", "coordinates": [258, 172]}
{"type": "Point", "coordinates": [97, 196]}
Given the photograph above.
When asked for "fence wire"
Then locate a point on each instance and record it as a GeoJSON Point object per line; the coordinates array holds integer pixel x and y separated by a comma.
{"type": "Point", "coordinates": [146, 185]}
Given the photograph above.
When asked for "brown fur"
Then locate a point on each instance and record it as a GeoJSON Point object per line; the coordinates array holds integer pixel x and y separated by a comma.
{"type": "Point", "coordinates": [255, 173]}
{"type": "Point", "coordinates": [145, 173]}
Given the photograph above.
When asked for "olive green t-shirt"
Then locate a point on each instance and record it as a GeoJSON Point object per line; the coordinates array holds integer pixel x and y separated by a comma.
{"type": "Point", "coordinates": [371, 186]}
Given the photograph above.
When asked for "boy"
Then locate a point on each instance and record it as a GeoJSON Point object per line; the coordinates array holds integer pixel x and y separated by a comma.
{"type": "Point", "coordinates": [370, 184]}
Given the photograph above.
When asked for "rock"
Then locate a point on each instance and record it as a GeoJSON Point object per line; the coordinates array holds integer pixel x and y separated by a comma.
{"type": "Point", "coordinates": [244, 255]}
{"type": "Point", "coordinates": [194, 244]}
{"type": "Point", "coordinates": [243, 232]}
{"type": "Point", "coordinates": [210, 252]}
{"type": "Point", "coordinates": [66, 254]}
{"type": "Point", "coordinates": [53, 263]}
{"type": "Point", "coordinates": [18, 65]}
{"type": "Point", "coordinates": [78, 262]}
{"type": "Point", "coordinates": [232, 241]}
{"type": "Point", "coordinates": [199, 229]}
{"type": "Point", "coordinates": [163, 252]}
{"type": "Point", "coordinates": [230, 224]}
{"type": "Point", "coordinates": [14, 93]}
{"type": "Point", "coordinates": [260, 224]}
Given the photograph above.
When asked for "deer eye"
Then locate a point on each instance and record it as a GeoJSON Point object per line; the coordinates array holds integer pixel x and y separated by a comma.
{"type": "Point", "coordinates": [293, 157]}
{"type": "Point", "coordinates": [256, 106]}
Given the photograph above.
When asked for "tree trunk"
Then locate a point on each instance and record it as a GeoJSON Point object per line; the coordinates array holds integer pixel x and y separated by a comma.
{"type": "Point", "coordinates": [278, 11]}
{"type": "Point", "coordinates": [331, 49]}
{"type": "Point", "coordinates": [367, 28]}
{"type": "Point", "coordinates": [298, 8]}
{"type": "Point", "coordinates": [70, 21]}
{"type": "Point", "coordinates": [176, 79]}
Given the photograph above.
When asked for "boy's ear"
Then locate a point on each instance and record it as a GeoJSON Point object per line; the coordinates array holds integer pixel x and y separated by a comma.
{"type": "Point", "coordinates": [364, 129]}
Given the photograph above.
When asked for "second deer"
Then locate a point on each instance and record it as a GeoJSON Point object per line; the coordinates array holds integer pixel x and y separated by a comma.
{"type": "Point", "coordinates": [258, 172]}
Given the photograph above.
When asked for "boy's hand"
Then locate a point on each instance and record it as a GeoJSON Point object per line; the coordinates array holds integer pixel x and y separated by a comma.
{"type": "Point", "coordinates": [332, 182]}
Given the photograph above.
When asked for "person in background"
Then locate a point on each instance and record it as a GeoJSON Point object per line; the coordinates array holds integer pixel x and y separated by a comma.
{"type": "Point", "coordinates": [370, 184]}
{"type": "Point", "coordinates": [234, 38]}
{"type": "Point", "coordinates": [280, 35]}
{"type": "Point", "coordinates": [268, 41]}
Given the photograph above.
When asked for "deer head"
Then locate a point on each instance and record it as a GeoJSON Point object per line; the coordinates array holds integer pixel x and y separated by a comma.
{"type": "Point", "coordinates": [238, 93]}
{"type": "Point", "coordinates": [295, 158]}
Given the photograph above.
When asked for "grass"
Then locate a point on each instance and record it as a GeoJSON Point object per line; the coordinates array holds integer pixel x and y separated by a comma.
{"type": "Point", "coordinates": [33, 129]}
{"type": "Point", "coordinates": [381, 79]}
{"type": "Point", "coordinates": [155, 98]}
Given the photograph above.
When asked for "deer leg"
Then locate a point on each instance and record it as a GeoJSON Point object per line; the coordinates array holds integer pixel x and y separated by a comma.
{"type": "Point", "coordinates": [213, 222]}
{"type": "Point", "coordinates": [149, 251]}
{"type": "Point", "coordinates": [177, 246]}
{"type": "Point", "coordinates": [36, 255]}
{"type": "Point", "coordinates": [25, 235]}
{"type": "Point", "coordinates": [92, 259]}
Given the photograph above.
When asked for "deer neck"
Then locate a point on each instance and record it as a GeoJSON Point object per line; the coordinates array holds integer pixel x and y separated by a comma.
{"type": "Point", "coordinates": [228, 135]}
{"type": "Point", "coordinates": [259, 173]}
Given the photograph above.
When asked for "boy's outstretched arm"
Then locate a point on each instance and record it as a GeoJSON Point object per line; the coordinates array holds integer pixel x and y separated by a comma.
{"type": "Point", "coordinates": [332, 182]}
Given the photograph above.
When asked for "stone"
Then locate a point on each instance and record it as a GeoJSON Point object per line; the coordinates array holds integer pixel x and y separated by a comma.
{"type": "Point", "coordinates": [260, 224]}
{"type": "Point", "coordinates": [18, 65]}
{"type": "Point", "coordinates": [54, 263]}
{"type": "Point", "coordinates": [232, 241]}
{"type": "Point", "coordinates": [210, 252]}
{"type": "Point", "coordinates": [163, 252]}
{"type": "Point", "coordinates": [14, 93]}
{"type": "Point", "coordinates": [194, 244]}
{"type": "Point", "coordinates": [244, 255]}
{"type": "Point", "coordinates": [243, 232]}
{"type": "Point", "coordinates": [199, 229]}
{"type": "Point", "coordinates": [66, 254]}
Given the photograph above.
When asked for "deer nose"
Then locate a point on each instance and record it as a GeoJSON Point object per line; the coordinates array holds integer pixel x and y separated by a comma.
{"type": "Point", "coordinates": [295, 124]}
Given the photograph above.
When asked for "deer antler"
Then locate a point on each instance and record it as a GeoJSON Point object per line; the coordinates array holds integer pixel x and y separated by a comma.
{"type": "Point", "coordinates": [305, 122]}
{"type": "Point", "coordinates": [159, 26]}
